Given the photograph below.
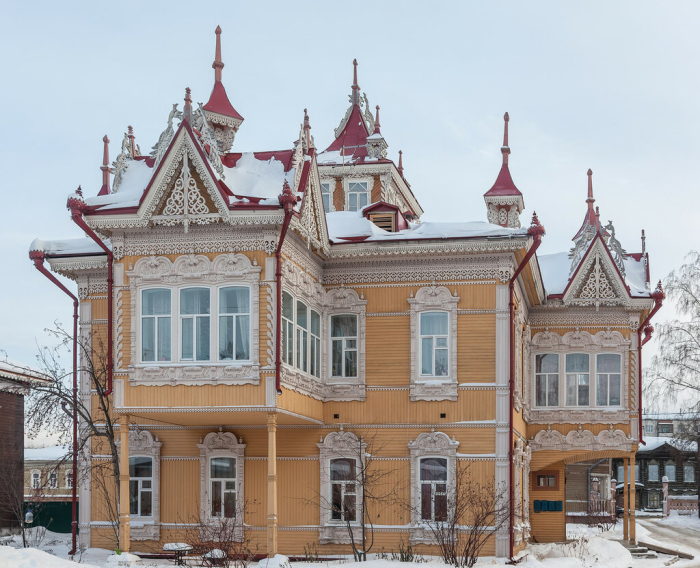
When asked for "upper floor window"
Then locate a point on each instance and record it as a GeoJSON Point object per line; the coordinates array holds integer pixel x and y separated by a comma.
{"type": "Point", "coordinates": [433, 489]}
{"type": "Point", "coordinates": [327, 195]}
{"type": "Point", "coordinates": [315, 344]}
{"type": "Point", "coordinates": [577, 379]}
{"type": "Point", "coordinates": [69, 479]}
{"type": "Point", "coordinates": [358, 196]}
{"type": "Point", "coordinates": [608, 379]}
{"type": "Point", "coordinates": [36, 479]}
{"type": "Point", "coordinates": [155, 325]}
{"type": "Point", "coordinates": [547, 380]}
{"type": "Point", "coordinates": [344, 345]}
{"type": "Point", "coordinates": [195, 323]}
{"type": "Point", "coordinates": [649, 428]}
{"type": "Point", "coordinates": [301, 335]}
{"type": "Point", "coordinates": [141, 486]}
{"type": "Point", "coordinates": [287, 328]}
{"type": "Point", "coordinates": [434, 342]}
{"type": "Point", "coordinates": [689, 472]}
{"type": "Point", "coordinates": [53, 480]}
{"type": "Point", "coordinates": [234, 323]}
{"type": "Point", "coordinates": [222, 486]}
{"type": "Point", "coordinates": [653, 472]}
{"type": "Point", "coordinates": [665, 427]}
{"type": "Point", "coordinates": [343, 489]}
{"type": "Point", "coordinates": [670, 470]}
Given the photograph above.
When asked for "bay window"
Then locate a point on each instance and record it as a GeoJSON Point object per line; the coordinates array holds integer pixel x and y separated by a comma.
{"type": "Point", "coordinates": [547, 379]}
{"type": "Point", "coordinates": [155, 325]}
{"type": "Point", "coordinates": [608, 379]}
{"type": "Point", "coordinates": [577, 379]}
{"type": "Point", "coordinates": [195, 323]}
{"type": "Point", "coordinates": [315, 345]}
{"type": "Point", "coordinates": [434, 342]}
{"type": "Point", "coordinates": [234, 323]}
{"type": "Point", "coordinates": [302, 336]}
{"type": "Point", "coordinates": [344, 345]}
{"type": "Point", "coordinates": [141, 486]}
{"type": "Point", "coordinates": [222, 487]}
{"type": "Point", "coordinates": [433, 489]}
{"type": "Point", "coordinates": [287, 328]}
{"type": "Point", "coordinates": [343, 487]}
{"type": "Point", "coordinates": [358, 196]}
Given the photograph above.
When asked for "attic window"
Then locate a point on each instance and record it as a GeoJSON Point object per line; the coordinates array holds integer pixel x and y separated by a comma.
{"type": "Point", "coordinates": [386, 221]}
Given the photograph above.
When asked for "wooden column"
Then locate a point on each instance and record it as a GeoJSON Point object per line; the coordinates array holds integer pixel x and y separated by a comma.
{"type": "Point", "coordinates": [124, 519]}
{"type": "Point", "coordinates": [633, 501]}
{"type": "Point", "coordinates": [271, 484]}
{"type": "Point", "coordinates": [625, 504]}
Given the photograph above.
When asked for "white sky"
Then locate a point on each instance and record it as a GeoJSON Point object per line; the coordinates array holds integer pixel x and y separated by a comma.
{"type": "Point", "coordinates": [606, 85]}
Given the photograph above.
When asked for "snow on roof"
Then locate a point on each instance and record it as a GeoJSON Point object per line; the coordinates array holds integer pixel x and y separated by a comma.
{"type": "Point", "coordinates": [655, 442]}
{"type": "Point", "coordinates": [135, 179]}
{"type": "Point", "coordinates": [50, 453]}
{"type": "Point", "coordinates": [16, 369]}
{"type": "Point", "coordinates": [254, 177]}
{"type": "Point", "coordinates": [84, 245]}
{"type": "Point", "coordinates": [353, 225]}
{"type": "Point", "coordinates": [635, 276]}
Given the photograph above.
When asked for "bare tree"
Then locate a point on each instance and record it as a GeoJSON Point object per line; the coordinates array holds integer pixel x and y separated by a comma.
{"type": "Point", "coordinates": [473, 512]}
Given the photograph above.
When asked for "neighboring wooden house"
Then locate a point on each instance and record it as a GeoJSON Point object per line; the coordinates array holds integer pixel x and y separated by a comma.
{"type": "Point", "coordinates": [271, 308]}
{"type": "Point", "coordinates": [588, 489]}
{"type": "Point", "coordinates": [15, 381]}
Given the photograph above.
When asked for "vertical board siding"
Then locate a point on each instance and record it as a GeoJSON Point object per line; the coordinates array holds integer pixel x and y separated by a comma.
{"type": "Point", "coordinates": [179, 491]}
{"type": "Point", "coordinates": [548, 526]}
{"type": "Point", "coordinates": [476, 358]}
{"type": "Point", "coordinates": [298, 492]}
{"type": "Point", "coordinates": [256, 492]}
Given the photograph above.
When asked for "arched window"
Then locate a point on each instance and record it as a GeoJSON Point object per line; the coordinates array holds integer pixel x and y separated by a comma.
{"type": "Point", "coordinates": [433, 489]}
{"type": "Point", "coordinates": [141, 486]}
{"type": "Point", "coordinates": [69, 479]}
{"type": "Point", "coordinates": [344, 345]}
{"type": "Point", "coordinates": [434, 344]}
{"type": "Point", "coordinates": [53, 479]}
{"type": "Point", "coordinates": [195, 312]}
{"type": "Point", "coordinates": [234, 323]}
{"type": "Point", "coordinates": [156, 325]}
{"type": "Point", "coordinates": [343, 497]}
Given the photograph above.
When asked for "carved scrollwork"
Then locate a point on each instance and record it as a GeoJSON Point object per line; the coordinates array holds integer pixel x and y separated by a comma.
{"type": "Point", "coordinates": [580, 439]}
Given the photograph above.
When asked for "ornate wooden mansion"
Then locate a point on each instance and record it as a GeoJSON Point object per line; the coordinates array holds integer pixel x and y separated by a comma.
{"type": "Point", "coordinates": [264, 310]}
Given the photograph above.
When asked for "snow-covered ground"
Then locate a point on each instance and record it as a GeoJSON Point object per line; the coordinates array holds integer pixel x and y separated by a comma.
{"type": "Point", "coordinates": [587, 547]}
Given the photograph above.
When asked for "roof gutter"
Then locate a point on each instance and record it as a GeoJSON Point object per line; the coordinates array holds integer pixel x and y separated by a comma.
{"type": "Point", "coordinates": [38, 258]}
{"type": "Point", "coordinates": [535, 231]}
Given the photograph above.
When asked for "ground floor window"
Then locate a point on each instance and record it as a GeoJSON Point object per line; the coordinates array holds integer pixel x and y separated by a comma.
{"type": "Point", "coordinates": [433, 489]}
{"type": "Point", "coordinates": [653, 500]}
{"type": "Point", "coordinates": [343, 489]}
{"type": "Point", "coordinates": [141, 486]}
{"type": "Point", "coordinates": [222, 476]}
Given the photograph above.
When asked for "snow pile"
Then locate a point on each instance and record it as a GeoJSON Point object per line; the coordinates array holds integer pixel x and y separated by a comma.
{"type": "Point", "coordinates": [655, 442]}
{"type": "Point", "coordinates": [555, 271]}
{"type": "Point", "coordinates": [83, 245]}
{"type": "Point", "coordinates": [636, 276]}
{"type": "Point", "coordinates": [277, 561]}
{"type": "Point", "coordinates": [33, 558]}
{"type": "Point", "coordinates": [582, 552]}
{"type": "Point", "coordinates": [135, 179]}
{"type": "Point", "coordinates": [258, 178]}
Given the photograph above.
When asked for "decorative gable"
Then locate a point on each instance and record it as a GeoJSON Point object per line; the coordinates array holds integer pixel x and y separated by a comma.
{"type": "Point", "coordinates": [312, 219]}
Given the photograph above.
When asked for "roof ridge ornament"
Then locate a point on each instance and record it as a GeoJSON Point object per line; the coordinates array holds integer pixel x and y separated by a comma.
{"type": "Point", "coordinates": [618, 253]}
{"type": "Point", "coordinates": [218, 64]}
{"type": "Point", "coordinates": [187, 114]}
{"type": "Point", "coordinates": [106, 170]}
{"type": "Point", "coordinates": [505, 149]}
{"type": "Point", "coordinates": [120, 164]}
{"type": "Point", "coordinates": [355, 89]}
{"type": "Point", "coordinates": [166, 137]}
{"type": "Point", "coordinates": [400, 168]}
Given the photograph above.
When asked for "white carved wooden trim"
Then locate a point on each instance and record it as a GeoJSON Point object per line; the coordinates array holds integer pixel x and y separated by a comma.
{"type": "Point", "coordinates": [581, 440]}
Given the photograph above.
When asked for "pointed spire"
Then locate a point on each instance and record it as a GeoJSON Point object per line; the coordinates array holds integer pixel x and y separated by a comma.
{"type": "Point", "coordinates": [218, 65]}
{"type": "Point", "coordinates": [355, 87]}
{"type": "Point", "coordinates": [377, 126]}
{"type": "Point", "coordinates": [590, 200]}
{"type": "Point", "coordinates": [592, 217]}
{"type": "Point", "coordinates": [106, 170]}
{"type": "Point", "coordinates": [401, 162]}
{"type": "Point", "coordinates": [187, 113]}
{"type": "Point", "coordinates": [307, 130]}
{"type": "Point", "coordinates": [505, 149]}
{"type": "Point", "coordinates": [132, 146]}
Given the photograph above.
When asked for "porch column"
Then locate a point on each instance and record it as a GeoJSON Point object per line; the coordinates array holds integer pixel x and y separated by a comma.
{"type": "Point", "coordinates": [633, 501]}
{"type": "Point", "coordinates": [625, 504]}
{"type": "Point", "coordinates": [124, 519]}
{"type": "Point", "coordinates": [271, 484]}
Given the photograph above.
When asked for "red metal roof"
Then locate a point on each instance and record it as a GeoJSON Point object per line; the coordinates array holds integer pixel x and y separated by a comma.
{"type": "Point", "coordinates": [504, 184]}
{"type": "Point", "coordinates": [219, 103]}
{"type": "Point", "coordinates": [353, 138]}
{"type": "Point", "coordinates": [284, 156]}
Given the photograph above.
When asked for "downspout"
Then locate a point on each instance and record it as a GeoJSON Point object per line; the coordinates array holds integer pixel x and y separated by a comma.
{"type": "Point", "coordinates": [659, 297]}
{"type": "Point", "coordinates": [287, 200]}
{"type": "Point", "coordinates": [38, 258]}
{"type": "Point", "coordinates": [77, 208]}
{"type": "Point", "coordinates": [535, 231]}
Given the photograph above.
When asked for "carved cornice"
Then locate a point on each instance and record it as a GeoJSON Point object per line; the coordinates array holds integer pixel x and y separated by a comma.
{"type": "Point", "coordinates": [581, 440]}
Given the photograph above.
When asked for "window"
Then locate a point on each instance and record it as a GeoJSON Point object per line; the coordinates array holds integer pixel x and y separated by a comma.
{"type": "Point", "coordinates": [549, 480]}
{"type": "Point", "coordinates": [315, 344]}
{"type": "Point", "coordinates": [194, 323]}
{"type": "Point", "coordinates": [69, 479]}
{"type": "Point", "coordinates": [620, 474]}
{"type": "Point", "coordinates": [36, 479]}
{"type": "Point", "coordinates": [577, 379]}
{"type": "Point", "coordinates": [343, 489]}
{"type": "Point", "coordinates": [357, 195]}
{"type": "Point", "coordinates": [653, 472]}
{"type": "Point", "coordinates": [653, 500]}
{"type": "Point", "coordinates": [386, 221]}
{"type": "Point", "coordinates": [155, 325]}
{"type": "Point", "coordinates": [302, 336]}
{"type": "Point", "coordinates": [234, 323]}
{"type": "Point", "coordinates": [53, 480]}
{"type": "Point", "coordinates": [689, 472]}
{"type": "Point", "coordinates": [287, 328]}
{"type": "Point", "coordinates": [344, 345]}
{"type": "Point", "coordinates": [434, 351]}
{"type": "Point", "coordinates": [140, 486]}
{"type": "Point", "coordinates": [326, 194]}
{"type": "Point", "coordinates": [665, 427]}
{"type": "Point", "coordinates": [670, 471]}
{"type": "Point", "coordinates": [649, 428]}
{"type": "Point", "coordinates": [608, 379]}
{"type": "Point", "coordinates": [222, 480]}
{"type": "Point", "coordinates": [547, 380]}
{"type": "Point", "coordinates": [433, 489]}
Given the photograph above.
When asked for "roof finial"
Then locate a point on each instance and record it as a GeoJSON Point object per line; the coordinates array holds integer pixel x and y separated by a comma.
{"type": "Point", "coordinates": [218, 65]}
{"type": "Point", "coordinates": [106, 170]}
{"type": "Point", "coordinates": [505, 150]}
{"type": "Point", "coordinates": [131, 141]}
{"type": "Point", "coordinates": [377, 126]}
{"type": "Point", "coordinates": [590, 199]}
{"type": "Point", "coordinates": [644, 242]}
{"type": "Point", "coordinates": [401, 162]}
{"type": "Point", "coordinates": [307, 129]}
{"type": "Point", "coordinates": [187, 113]}
{"type": "Point", "coordinates": [355, 86]}
{"type": "Point", "coordinates": [597, 218]}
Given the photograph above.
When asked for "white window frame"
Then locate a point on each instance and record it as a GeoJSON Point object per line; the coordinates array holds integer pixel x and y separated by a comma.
{"type": "Point", "coordinates": [577, 377]}
{"type": "Point", "coordinates": [315, 343]}
{"type": "Point", "coordinates": [194, 317]}
{"type": "Point", "coordinates": [329, 193]}
{"type": "Point", "coordinates": [343, 491]}
{"type": "Point", "coordinates": [368, 192]}
{"type": "Point", "coordinates": [622, 380]}
{"type": "Point", "coordinates": [648, 428]}
{"type": "Point", "coordinates": [433, 299]}
{"type": "Point", "coordinates": [688, 466]}
{"type": "Point", "coordinates": [301, 336]}
{"type": "Point", "coordinates": [224, 490]}
{"type": "Point", "coordinates": [35, 479]}
{"type": "Point", "coordinates": [670, 466]}
{"type": "Point", "coordinates": [344, 349]}
{"type": "Point", "coordinates": [68, 476]}
{"type": "Point", "coordinates": [288, 332]}
{"type": "Point", "coordinates": [52, 481]}
{"type": "Point", "coordinates": [157, 322]}
{"type": "Point", "coordinates": [435, 348]}
{"type": "Point", "coordinates": [433, 489]}
{"type": "Point", "coordinates": [141, 489]}
{"type": "Point", "coordinates": [548, 376]}
{"type": "Point", "coordinates": [234, 316]}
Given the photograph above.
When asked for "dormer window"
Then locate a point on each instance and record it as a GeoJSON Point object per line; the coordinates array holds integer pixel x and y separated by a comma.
{"type": "Point", "coordinates": [326, 194]}
{"type": "Point", "coordinates": [386, 221]}
{"type": "Point", "coordinates": [358, 196]}
{"type": "Point", "coordinates": [386, 216]}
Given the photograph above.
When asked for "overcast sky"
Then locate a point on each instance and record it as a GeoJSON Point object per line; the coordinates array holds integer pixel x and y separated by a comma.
{"type": "Point", "coordinates": [610, 86]}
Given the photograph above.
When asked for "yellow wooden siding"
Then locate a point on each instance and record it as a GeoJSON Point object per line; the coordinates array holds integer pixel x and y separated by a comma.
{"type": "Point", "coordinates": [548, 526]}
{"type": "Point", "coordinates": [255, 484]}
{"type": "Point", "coordinates": [194, 396]}
{"type": "Point", "coordinates": [298, 491]}
{"type": "Point", "coordinates": [300, 404]}
{"type": "Point", "coordinates": [179, 491]}
{"type": "Point", "coordinates": [476, 351]}
{"type": "Point", "coordinates": [376, 194]}
{"type": "Point", "coordinates": [388, 351]}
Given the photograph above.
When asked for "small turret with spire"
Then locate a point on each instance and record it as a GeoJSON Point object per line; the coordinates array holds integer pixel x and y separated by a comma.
{"type": "Point", "coordinates": [376, 145]}
{"type": "Point", "coordinates": [504, 202]}
{"type": "Point", "coordinates": [221, 116]}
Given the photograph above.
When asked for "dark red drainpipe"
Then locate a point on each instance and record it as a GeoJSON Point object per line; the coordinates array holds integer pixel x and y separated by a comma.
{"type": "Point", "coordinates": [37, 257]}
{"type": "Point", "coordinates": [659, 297]}
{"type": "Point", "coordinates": [287, 200]}
{"type": "Point", "coordinates": [535, 231]}
{"type": "Point", "coordinates": [77, 208]}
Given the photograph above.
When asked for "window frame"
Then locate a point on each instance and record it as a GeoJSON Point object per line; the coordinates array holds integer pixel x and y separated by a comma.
{"type": "Point", "coordinates": [141, 489]}
{"type": "Point", "coordinates": [68, 475]}
{"type": "Point", "coordinates": [224, 489]}
{"type": "Point", "coordinates": [433, 489]}
{"type": "Point", "coordinates": [670, 464]}
{"type": "Point", "coordinates": [548, 377]}
{"type": "Point", "coordinates": [216, 334]}
{"type": "Point", "coordinates": [577, 377]}
{"type": "Point", "coordinates": [657, 477]}
{"type": "Point", "coordinates": [343, 484]}
{"type": "Point", "coordinates": [348, 191]}
{"type": "Point", "coordinates": [35, 479]}
{"type": "Point", "coordinates": [434, 349]}
{"type": "Point", "coordinates": [292, 329]}
{"type": "Point", "coordinates": [688, 466]}
{"type": "Point", "coordinates": [194, 318]}
{"type": "Point", "coordinates": [156, 319]}
{"type": "Point", "coordinates": [52, 480]}
{"type": "Point", "coordinates": [545, 473]}
{"type": "Point", "coordinates": [344, 349]}
{"type": "Point", "coordinates": [621, 372]}
{"type": "Point", "coordinates": [329, 193]}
